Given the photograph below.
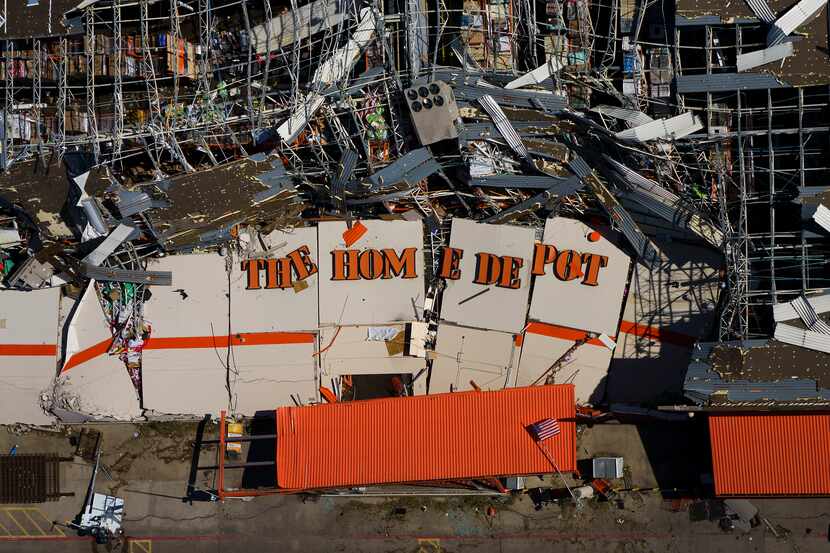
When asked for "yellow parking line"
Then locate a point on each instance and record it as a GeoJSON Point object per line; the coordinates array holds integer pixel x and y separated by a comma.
{"type": "Point", "coordinates": [35, 524]}
{"type": "Point", "coordinates": [45, 529]}
{"type": "Point", "coordinates": [49, 523]}
{"type": "Point", "coordinates": [143, 546]}
{"type": "Point", "coordinates": [11, 516]}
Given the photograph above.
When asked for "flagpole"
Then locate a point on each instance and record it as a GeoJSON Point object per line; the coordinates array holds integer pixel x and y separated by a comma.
{"type": "Point", "coordinates": [550, 459]}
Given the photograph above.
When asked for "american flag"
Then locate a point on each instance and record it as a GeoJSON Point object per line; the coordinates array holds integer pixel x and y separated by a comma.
{"type": "Point", "coordinates": [544, 429]}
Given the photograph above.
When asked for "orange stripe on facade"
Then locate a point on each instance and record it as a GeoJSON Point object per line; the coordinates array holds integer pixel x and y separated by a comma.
{"type": "Point", "coordinates": [561, 332]}
{"type": "Point", "coordinates": [626, 327]}
{"type": "Point", "coordinates": [87, 354]}
{"type": "Point", "coordinates": [242, 339]}
{"type": "Point", "coordinates": [197, 342]}
{"type": "Point", "coordinates": [28, 349]}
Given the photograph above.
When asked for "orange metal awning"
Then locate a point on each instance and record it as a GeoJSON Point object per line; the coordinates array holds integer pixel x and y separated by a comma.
{"type": "Point", "coordinates": [771, 454]}
{"type": "Point", "coordinates": [463, 435]}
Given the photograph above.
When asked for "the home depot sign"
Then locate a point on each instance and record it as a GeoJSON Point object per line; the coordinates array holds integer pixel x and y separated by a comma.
{"type": "Point", "coordinates": [386, 263]}
{"type": "Point", "coordinates": [348, 264]}
{"type": "Point", "coordinates": [503, 270]}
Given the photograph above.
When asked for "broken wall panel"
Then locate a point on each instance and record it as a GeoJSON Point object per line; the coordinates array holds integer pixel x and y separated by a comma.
{"type": "Point", "coordinates": [28, 353]}
{"type": "Point", "coordinates": [586, 367]}
{"type": "Point", "coordinates": [349, 350]}
{"type": "Point", "coordinates": [487, 271]}
{"type": "Point", "coordinates": [266, 292]}
{"type": "Point", "coordinates": [465, 354]}
{"type": "Point", "coordinates": [92, 383]}
{"type": "Point", "coordinates": [581, 278]}
{"type": "Point", "coordinates": [189, 379]}
{"type": "Point", "coordinates": [377, 278]}
{"type": "Point", "coordinates": [219, 330]}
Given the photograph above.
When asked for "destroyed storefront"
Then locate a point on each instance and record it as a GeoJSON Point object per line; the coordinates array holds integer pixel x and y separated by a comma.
{"type": "Point", "coordinates": [280, 323]}
{"type": "Point", "coordinates": [242, 207]}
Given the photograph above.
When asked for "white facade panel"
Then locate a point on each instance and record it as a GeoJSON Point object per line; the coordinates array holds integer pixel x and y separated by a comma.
{"type": "Point", "coordinates": [497, 306]}
{"type": "Point", "coordinates": [369, 301]}
{"type": "Point", "coordinates": [577, 290]}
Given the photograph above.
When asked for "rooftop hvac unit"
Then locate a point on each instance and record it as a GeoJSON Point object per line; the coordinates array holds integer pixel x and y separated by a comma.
{"type": "Point", "coordinates": [607, 467]}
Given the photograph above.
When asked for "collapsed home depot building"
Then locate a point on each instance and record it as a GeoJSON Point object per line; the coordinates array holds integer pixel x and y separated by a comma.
{"type": "Point", "coordinates": [210, 205]}
{"type": "Point", "coordinates": [277, 324]}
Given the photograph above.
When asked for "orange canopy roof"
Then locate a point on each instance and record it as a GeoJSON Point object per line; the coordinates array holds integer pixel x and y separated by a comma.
{"type": "Point", "coordinates": [771, 454]}
{"type": "Point", "coordinates": [462, 435]}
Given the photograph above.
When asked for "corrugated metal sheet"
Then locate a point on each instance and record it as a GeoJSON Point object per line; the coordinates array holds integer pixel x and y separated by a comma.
{"type": "Point", "coordinates": [771, 454]}
{"type": "Point", "coordinates": [822, 217]}
{"type": "Point", "coordinates": [809, 315]}
{"type": "Point", "coordinates": [634, 116]}
{"type": "Point", "coordinates": [156, 278]}
{"type": "Point", "coordinates": [309, 19]}
{"type": "Point", "coordinates": [811, 191]}
{"type": "Point", "coordinates": [538, 75]}
{"type": "Point", "coordinates": [762, 57]}
{"type": "Point", "coordinates": [485, 130]}
{"type": "Point", "coordinates": [665, 129]}
{"type": "Point", "coordinates": [786, 312]}
{"type": "Point", "coordinates": [809, 339]}
{"type": "Point", "coordinates": [131, 203]}
{"type": "Point", "coordinates": [465, 92]}
{"type": "Point", "coordinates": [580, 167]}
{"type": "Point", "coordinates": [793, 19]}
{"type": "Point", "coordinates": [680, 21]}
{"type": "Point", "coordinates": [761, 10]}
{"type": "Point", "coordinates": [411, 168]}
{"type": "Point", "coordinates": [503, 125]}
{"type": "Point", "coordinates": [436, 437]}
{"type": "Point", "coordinates": [647, 252]}
{"type": "Point", "coordinates": [665, 203]}
{"type": "Point", "coordinates": [725, 82]}
{"type": "Point", "coordinates": [567, 187]}
{"type": "Point", "coordinates": [704, 385]}
{"type": "Point", "coordinates": [522, 182]}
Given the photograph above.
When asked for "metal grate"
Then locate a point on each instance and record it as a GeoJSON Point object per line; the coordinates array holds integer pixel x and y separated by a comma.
{"type": "Point", "coordinates": [29, 478]}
